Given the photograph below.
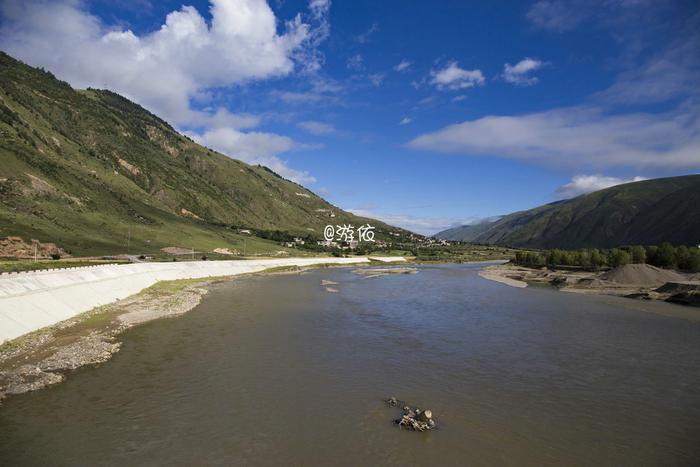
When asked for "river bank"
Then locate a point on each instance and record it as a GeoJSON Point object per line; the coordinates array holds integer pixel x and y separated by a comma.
{"type": "Point", "coordinates": [637, 281]}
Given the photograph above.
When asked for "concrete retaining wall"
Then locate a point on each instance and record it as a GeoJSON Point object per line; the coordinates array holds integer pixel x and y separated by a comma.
{"type": "Point", "coordinates": [34, 300]}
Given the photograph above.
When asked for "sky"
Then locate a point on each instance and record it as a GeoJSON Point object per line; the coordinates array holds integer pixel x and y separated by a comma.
{"type": "Point", "coordinates": [425, 114]}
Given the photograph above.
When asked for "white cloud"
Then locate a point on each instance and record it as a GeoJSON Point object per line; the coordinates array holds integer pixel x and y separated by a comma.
{"type": "Point", "coordinates": [403, 65]}
{"type": "Point", "coordinates": [459, 98]}
{"type": "Point", "coordinates": [555, 15]}
{"type": "Point", "coordinates": [224, 118]}
{"type": "Point", "coordinates": [254, 148]}
{"type": "Point", "coordinates": [365, 36]}
{"type": "Point", "coordinates": [578, 137]}
{"type": "Point", "coordinates": [376, 78]}
{"type": "Point", "coordinates": [309, 57]}
{"type": "Point", "coordinates": [405, 121]}
{"type": "Point", "coordinates": [166, 69]}
{"type": "Point", "coordinates": [520, 73]}
{"type": "Point", "coordinates": [355, 63]}
{"type": "Point", "coordinates": [582, 184]}
{"type": "Point", "coordinates": [667, 74]}
{"type": "Point", "coordinates": [317, 128]}
{"type": "Point", "coordinates": [422, 225]}
{"type": "Point", "coordinates": [453, 77]}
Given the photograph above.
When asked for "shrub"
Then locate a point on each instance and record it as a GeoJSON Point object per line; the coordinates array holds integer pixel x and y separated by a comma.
{"type": "Point", "coordinates": [55, 256]}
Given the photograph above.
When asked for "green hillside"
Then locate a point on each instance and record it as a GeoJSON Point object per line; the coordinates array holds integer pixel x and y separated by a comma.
{"type": "Point", "coordinates": [648, 213]}
{"type": "Point", "coordinates": [87, 169]}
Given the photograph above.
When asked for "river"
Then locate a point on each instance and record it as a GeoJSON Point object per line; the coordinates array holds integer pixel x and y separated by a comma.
{"type": "Point", "coordinates": [278, 371]}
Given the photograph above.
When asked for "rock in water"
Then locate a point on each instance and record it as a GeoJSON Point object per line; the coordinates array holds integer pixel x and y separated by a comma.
{"type": "Point", "coordinates": [413, 419]}
{"type": "Point", "coordinates": [425, 416]}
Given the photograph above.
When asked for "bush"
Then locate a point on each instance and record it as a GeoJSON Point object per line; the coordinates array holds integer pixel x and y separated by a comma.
{"type": "Point", "coordinates": [55, 256]}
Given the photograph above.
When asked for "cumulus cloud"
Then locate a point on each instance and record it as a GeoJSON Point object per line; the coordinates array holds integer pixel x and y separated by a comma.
{"type": "Point", "coordinates": [165, 70]}
{"type": "Point", "coordinates": [405, 121]}
{"type": "Point", "coordinates": [453, 78]}
{"type": "Point", "coordinates": [578, 137]}
{"type": "Point", "coordinates": [254, 148]}
{"type": "Point", "coordinates": [520, 73]}
{"type": "Point", "coordinates": [317, 128]}
{"type": "Point", "coordinates": [403, 65]}
{"type": "Point", "coordinates": [582, 184]}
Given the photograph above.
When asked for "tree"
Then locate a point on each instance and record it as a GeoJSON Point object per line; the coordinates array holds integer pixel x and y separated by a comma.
{"type": "Point", "coordinates": [584, 259]}
{"type": "Point", "coordinates": [554, 257]}
{"type": "Point", "coordinates": [652, 255]}
{"type": "Point", "coordinates": [619, 257]}
{"type": "Point", "coordinates": [597, 259]}
{"type": "Point", "coordinates": [683, 257]}
{"type": "Point", "coordinates": [639, 254]}
{"type": "Point", "coordinates": [694, 260]}
{"type": "Point", "coordinates": [666, 256]}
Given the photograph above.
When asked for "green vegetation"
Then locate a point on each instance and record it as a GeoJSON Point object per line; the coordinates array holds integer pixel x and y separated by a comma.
{"type": "Point", "coordinates": [665, 256]}
{"type": "Point", "coordinates": [645, 213]}
{"type": "Point", "coordinates": [461, 253]}
{"type": "Point", "coordinates": [97, 174]}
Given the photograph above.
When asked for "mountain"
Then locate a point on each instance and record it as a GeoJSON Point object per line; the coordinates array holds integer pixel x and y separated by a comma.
{"type": "Point", "coordinates": [468, 233]}
{"type": "Point", "coordinates": [648, 213]}
{"type": "Point", "coordinates": [90, 171]}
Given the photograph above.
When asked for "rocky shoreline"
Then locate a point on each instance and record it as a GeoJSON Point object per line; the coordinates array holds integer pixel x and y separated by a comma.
{"type": "Point", "coordinates": [637, 281]}
{"type": "Point", "coordinates": [46, 356]}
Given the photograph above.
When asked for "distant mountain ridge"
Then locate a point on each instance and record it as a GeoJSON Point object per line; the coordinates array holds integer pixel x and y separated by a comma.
{"type": "Point", "coordinates": [85, 169]}
{"type": "Point", "coordinates": [647, 212]}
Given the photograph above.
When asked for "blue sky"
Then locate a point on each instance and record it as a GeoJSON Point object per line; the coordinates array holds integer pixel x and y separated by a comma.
{"type": "Point", "coordinates": [424, 114]}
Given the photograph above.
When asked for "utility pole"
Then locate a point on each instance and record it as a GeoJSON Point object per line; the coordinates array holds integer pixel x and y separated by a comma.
{"type": "Point", "coordinates": [128, 242]}
{"type": "Point", "coordinates": [35, 252]}
{"type": "Point", "coordinates": [244, 240]}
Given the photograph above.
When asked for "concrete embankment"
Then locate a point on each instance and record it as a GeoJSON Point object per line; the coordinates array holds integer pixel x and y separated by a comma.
{"type": "Point", "coordinates": [31, 301]}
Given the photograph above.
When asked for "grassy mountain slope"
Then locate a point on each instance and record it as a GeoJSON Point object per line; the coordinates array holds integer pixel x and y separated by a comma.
{"type": "Point", "coordinates": [84, 168]}
{"type": "Point", "coordinates": [648, 212]}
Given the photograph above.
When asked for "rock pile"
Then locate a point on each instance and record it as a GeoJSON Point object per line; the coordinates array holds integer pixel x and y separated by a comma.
{"type": "Point", "coordinates": [413, 419]}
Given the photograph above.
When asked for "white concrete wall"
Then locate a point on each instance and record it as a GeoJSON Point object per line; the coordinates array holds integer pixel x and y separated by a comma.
{"type": "Point", "coordinates": [33, 300]}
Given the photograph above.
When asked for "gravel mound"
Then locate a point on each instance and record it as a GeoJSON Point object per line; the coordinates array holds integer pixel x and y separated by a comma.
{"type": "Point", "coordinates": [641, 274]}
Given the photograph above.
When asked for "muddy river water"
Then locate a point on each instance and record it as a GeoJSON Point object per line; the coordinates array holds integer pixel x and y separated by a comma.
{"type": "Point", "coordinates": [279, 371]}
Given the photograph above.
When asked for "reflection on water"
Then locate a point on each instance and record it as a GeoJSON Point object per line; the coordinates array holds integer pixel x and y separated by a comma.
{"type": "Point", "coordinates": [277, 371]}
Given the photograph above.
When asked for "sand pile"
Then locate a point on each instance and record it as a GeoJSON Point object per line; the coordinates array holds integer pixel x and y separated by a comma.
{"type": "Point", "coordinates": [641, 274]}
